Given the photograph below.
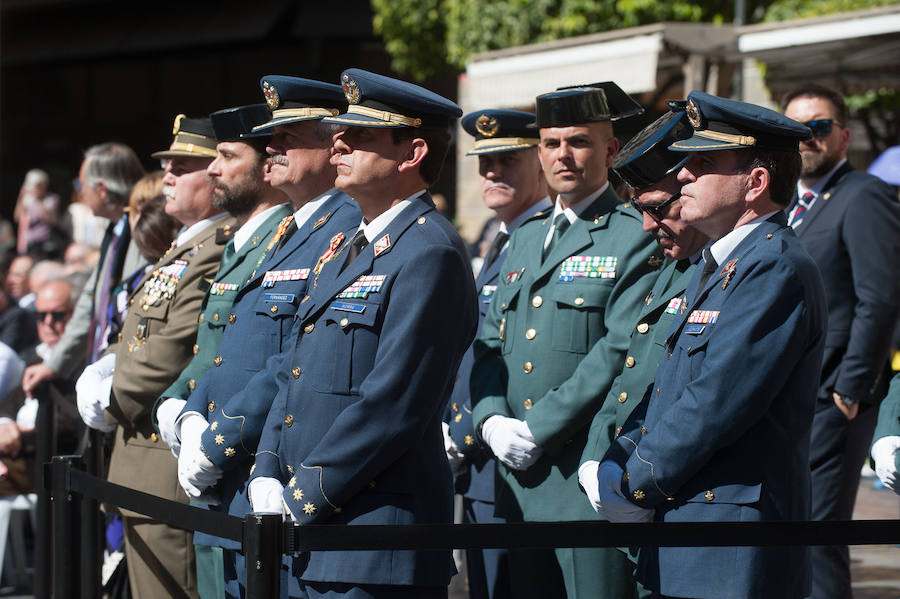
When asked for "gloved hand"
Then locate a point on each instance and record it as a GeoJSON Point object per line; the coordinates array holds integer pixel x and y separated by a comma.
{"type": "Point", "coordinates": [587, 478]}
{"type": "Point", "coordinates": [93, 389]}
{"type": "Point", "coordinates": [454, 455]}
{"type": "Point", "coordinates": [166, 415]}
{"type": "Point", "coordinates": [511, 441]}
{"type": "Point", "coordinates": [614, 506]}
{"type": "Point", "coordinates": [884, 451]}
{"type": "Point", "coordinates": [265, 495]}
{"type": "Point", "coordinates": [196, 472]}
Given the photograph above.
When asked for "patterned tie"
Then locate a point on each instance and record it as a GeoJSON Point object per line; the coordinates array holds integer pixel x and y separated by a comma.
{"type": "Point", "coordinates": [357, 244]}
{"type": "Point", "coordinates": [802, 205]}
{"type": "Point", "coordinates": [496, 247]}
{"type": "Point", "coordinates": [560, 225]}
{"type": "Point", "coordinates": [100, 329]}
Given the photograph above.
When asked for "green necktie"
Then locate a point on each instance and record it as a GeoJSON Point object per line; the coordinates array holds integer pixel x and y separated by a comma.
{"type": "Point", "coordinates": [560, 224]}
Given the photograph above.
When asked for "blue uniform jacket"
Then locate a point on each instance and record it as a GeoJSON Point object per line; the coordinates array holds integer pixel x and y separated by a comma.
{"type": "Point", "coordinates": [236, 394]}
{"type": "Point", "coordinates": [727, 426]}
{"type": "Point", "coordinates": [355, 436]}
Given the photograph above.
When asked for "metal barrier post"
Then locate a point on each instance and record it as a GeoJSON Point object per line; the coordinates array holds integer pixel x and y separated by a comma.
{"type": "Point", "coordinates": [45, 425]}
{"type": "Point", "coordinates": [92, 537]}
{"type": "Point", "coordinates": [262, 550]}
{"type": "Point", "coordinates": [66, 524]}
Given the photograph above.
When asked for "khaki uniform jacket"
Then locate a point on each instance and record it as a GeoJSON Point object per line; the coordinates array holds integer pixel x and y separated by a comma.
{"type": "Point", "coordinates": [155, 346]}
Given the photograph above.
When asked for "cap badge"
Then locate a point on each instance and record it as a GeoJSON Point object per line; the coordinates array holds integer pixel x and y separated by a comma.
{"type": "Point", "coordinates": [487, 125]}
{"type": "Point", "coordinates": [693, 114]}
{"type": "Point", "coordinates": [272, 99]}
{"type": "Point", "coordinates": [351, 90]}
{"type": "Point", "coordinates": [177, 126]}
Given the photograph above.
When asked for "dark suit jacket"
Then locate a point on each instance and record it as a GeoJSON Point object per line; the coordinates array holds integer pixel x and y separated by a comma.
{"type": "Point", "coordinates": [852, 232]}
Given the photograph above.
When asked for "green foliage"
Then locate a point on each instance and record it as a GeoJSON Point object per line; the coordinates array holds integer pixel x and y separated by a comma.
{"type": "Point", "coordinates": [414, 33]}
{"type": "Point", "coordinates": [782, 10]}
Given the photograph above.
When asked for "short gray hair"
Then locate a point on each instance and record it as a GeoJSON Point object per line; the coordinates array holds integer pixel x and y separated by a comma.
{"type": "Point", "coordinates": [117, 166]}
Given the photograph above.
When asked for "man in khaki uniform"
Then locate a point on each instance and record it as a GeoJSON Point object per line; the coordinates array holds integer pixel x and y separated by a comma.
{"type": "Point", "coordinates": [155, 346]}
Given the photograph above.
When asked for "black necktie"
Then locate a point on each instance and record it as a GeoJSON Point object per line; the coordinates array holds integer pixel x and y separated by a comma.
{"type": "Point", "coordinates": [357, 244]}
{"type": "Point", "coordinates": [496, 247]}
{"type": "Point", "coordinates": [709, 267]}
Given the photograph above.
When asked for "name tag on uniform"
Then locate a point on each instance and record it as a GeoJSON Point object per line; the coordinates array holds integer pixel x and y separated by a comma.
{"type": "Point", "coordinates": [694, 329]}
{"type": "Point", "coordinates": [221, 288]}
{"type": "Point", "coordinates": [486, 292]}
{"type": "Point", "coordinates": [363, 286]}
{"type": "Point", "coordinates": [287, 298]}
{"type": "Point", "coordinates": [588, 267]}
{"type": "Point", "coordinates": [295, 274]}
{"type": "Point", "coordinates": [348, 307]}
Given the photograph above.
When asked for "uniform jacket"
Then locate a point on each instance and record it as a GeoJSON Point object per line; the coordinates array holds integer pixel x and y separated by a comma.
{"type": "Point", "coordinates": [889, 415]}
{"type": "Point", "coordinates": [156, 345]}
{"type": "Point", "coordinates": [68, 355]}
{"type": "Point", "coordinates": [727, 428]}
{"type": "Point", "coordinates": [355, 435]}
{"type": "Point", "coordinates": [658, 310]}
{"type": "Point", "coordinates": [553, 342]}
{"type": "Point", "coordinates": [235, 397]}
{"type": "Point", "coordinates": [852, 232]}
{"type": "Point", "coordinates": [478, 482]}
{"type": "Point", "coordinates": [234, 270]}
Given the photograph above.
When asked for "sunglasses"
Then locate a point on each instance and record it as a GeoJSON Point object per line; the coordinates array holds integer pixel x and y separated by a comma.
{"type": "Point", "coordinates": [656, 210]}
{"type": "Point", "coordinates": [55, 316]}
{"type": "Point", "coordinates": [821, 127]}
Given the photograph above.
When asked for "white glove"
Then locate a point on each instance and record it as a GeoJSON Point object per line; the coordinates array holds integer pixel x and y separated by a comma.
{"type": "Point", "coordinates": [884, 451]}
{"type": "Point", "coordinates": [614, 506]}
{"type": "Point", "coordinates": [454, 455]}
{"type": "Point", "coordinates": [93, 390]}
{"type": "Point", "coordinates": [587, 478]}
{"type": "Point", "coordinates": [196, 472]}
{"type": "Point", "coordinates": [511, 441]}
{"type": "Point", "coordinates": [166, 414]}
{"type": "Point", "coordinates": [265, 495]}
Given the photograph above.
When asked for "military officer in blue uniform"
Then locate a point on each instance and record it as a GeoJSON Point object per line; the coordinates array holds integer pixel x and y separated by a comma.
{"type": "Point", "coordinates": [231, 401]}
{"type": "Point", "coordinates": [723, 433]}
{"type": "Point", "coordinates": [513, 185]}
{"type": "Point", "coordinates": [554, 338]}
{"type": "Point", "coordinates": [354, 436]}
{"type": "Point", "coordinates": [650, 168]}
{"type": "Point", "coordinates": [237, 173]}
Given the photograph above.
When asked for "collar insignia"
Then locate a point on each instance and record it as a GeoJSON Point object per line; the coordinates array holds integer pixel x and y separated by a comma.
{"type": "Point", "coordinates": [382, 245]}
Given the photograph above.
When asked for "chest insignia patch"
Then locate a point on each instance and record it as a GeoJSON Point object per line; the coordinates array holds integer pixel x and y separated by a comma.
{"type": "Point", "coordinates": [514, 276]}
{"type": "Point", "coordinates": [591, 267]}
{"type": "Point", "coordinates": [161, 284]}
{"type": "Point", "coordinates": [362, 287]}
{"type": "Point", "coordinates": [704, 316]}
{"type": "Point", "coordinates": [221, 288]}
{"type": "Point", "coordinates": [487, 291]}
{"type": "Point", "coordinates": [294, 274]}
{"type": "Point", "coordinates": [674, 305]}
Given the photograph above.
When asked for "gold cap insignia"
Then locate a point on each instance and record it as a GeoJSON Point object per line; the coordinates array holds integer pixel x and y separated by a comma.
{"type": "Point", "coordinates": [351, 90]}
{"type": "Point", "coordinates": [487, 125]}
{"type": "Point", "coordinates": [693, 114]}
{"type": "Point", "coordinates": [177, 126]}
{"type": "Point", "coordinates": [272, 99]}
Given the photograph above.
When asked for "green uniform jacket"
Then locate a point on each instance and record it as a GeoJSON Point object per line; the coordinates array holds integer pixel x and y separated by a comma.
{"type": "Point", "coordinates": [155, 346]}
{"type": "Point", "coordinates": [551, 346]}
{"type": "Point", "coordinates": [657, 311]}
{"type": "Point", "coordinates": [234, 270]}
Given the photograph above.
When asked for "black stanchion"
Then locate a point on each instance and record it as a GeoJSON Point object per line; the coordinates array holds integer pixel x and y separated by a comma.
{"type": "Point", "coordinates": [45, 425]}
{"type": "Point", "coordinates": [92, 522]}
{"type": "Point", "coordinates": [262, 551]}
{"type": "Point", "coordinates": [66, 525]}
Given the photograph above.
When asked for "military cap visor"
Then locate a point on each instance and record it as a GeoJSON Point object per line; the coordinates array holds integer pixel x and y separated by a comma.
{"type": "Point", "coordinates": [194, 138]}
{"type": "Point", "coordinates": [497, 130]}
{"type": "Point", "coordinates": [378, 101]}
{"type": "Point", "coordinates": [294, 100]}
{"type": "Point", "coordinates": [577, 105]}
{"type": "Point", "coordinates": [723, 124]}
{"type": "Point", "coordinates": [646, 159]}
{"type": "Point", "coordinates": [235, 124]}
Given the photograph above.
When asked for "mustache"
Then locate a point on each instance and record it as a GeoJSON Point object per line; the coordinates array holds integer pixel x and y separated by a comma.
{"type": "Point", "coordinates": [661, 234]}
{"type": "Point", "coordinates": [168, 191]}
{"type": "Point", "coordinates": [279, 159]}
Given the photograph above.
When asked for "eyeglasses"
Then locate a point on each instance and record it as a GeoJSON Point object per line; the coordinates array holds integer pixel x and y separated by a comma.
{"type": "Point", "coordinates": [656, 210]}
{"type": "Point", "coordinates": [55, 316]}
{"type": "Point", "coordinates": [821, 127]}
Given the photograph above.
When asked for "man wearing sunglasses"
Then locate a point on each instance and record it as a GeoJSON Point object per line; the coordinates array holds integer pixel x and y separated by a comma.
{"type": "Point", "coordinates": [650, 168]}
{"type": "Point", "coordinates": [849, 222]}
